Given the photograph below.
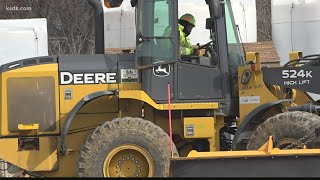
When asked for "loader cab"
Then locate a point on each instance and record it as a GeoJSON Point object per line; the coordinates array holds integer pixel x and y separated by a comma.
{"type": "Point", "coordinates": [192, 79]}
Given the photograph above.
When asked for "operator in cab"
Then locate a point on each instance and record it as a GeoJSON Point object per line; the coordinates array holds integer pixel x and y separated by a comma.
{"type": "Point", "coordinates": [185, 25]}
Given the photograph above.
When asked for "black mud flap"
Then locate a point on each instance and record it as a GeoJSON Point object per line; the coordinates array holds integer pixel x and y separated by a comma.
{"type": "Point", "coordinates": [280, 166]}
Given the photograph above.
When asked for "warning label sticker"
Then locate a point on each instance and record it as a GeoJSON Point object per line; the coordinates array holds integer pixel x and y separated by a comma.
{"type": "Point", "coordinates": [250, 100]}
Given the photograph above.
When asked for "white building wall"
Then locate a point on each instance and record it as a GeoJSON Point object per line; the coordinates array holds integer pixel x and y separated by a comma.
{"type": "Point", "coordinates": [23, 38]}
{"type": "Point", "coordinates": [295, 27]}
{"type": "Point", "coordinates": [119, 27]}
{"type": "Point", "coordinates": [244, 12]}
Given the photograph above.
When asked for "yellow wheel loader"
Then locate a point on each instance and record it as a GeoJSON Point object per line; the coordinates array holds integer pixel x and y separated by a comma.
{"type": "Point", "coordinates": [154, 113]}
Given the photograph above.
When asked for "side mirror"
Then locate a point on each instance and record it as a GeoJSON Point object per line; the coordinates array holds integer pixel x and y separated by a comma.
{"type": "Point", "coordinates": [210, 23]}
{"type": "Point", "coordinates": [215, 8]}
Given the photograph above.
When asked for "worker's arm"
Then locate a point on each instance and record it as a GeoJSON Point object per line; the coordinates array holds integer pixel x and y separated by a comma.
{"type": "Point", "coordinates": [186, 51]}
{"type": "Point", "coordinates": [185, 45]}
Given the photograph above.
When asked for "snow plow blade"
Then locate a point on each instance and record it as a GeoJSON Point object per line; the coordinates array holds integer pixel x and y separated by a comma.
{"type": "Point", "coordinates": [265, 162]}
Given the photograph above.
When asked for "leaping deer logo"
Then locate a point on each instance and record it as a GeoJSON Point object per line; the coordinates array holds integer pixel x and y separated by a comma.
{"type": "Point", "coordinates": [161, 70]}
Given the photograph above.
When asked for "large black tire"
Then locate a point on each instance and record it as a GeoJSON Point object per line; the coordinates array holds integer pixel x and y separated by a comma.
{"type": "Point", "coordinates": [120, 132]}
{"type": "Point", "coordinates": [285, 128]}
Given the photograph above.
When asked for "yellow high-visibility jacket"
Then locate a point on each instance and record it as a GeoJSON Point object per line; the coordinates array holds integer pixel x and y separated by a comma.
{"type": "Point", "coordinates": [185, 45]}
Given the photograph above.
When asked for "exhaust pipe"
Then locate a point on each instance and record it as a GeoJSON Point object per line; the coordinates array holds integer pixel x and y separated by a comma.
{"type": "Point", "coordinates": [99, 25]}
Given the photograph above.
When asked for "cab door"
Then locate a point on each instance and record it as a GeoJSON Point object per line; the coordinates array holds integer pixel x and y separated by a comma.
{"type": "Point", "coordinates": [198, 82]}
{"type": "Point", "coordinates": [156, 51]}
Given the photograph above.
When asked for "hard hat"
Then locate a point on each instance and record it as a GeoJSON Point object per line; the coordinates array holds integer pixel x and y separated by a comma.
{"type": "Point", "coordinates": [189, 18]}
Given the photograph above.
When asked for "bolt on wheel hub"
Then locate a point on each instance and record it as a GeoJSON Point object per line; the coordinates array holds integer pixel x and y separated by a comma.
{"type": "Point", "coordinates": [128, 161]}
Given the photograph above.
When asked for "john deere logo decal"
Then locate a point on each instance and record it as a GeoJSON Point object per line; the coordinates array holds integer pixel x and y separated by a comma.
{"type": "Point", "coordinates": [67, 78]}
{"type": "Point", "coordinates": [161, 70]}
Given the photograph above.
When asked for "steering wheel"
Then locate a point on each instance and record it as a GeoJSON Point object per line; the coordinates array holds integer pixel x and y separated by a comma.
{"type": "Point", "coordinates": [208, 48]}
{"type": "Point", "coordinates": [205, 45]}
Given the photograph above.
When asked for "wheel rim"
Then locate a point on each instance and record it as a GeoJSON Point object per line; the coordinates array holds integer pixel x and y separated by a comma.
{"type": "Point", "coordinates": [128, 161]}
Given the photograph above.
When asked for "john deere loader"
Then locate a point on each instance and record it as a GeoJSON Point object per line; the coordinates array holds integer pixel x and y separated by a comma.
{"type": "Point", "coordinates": [155, 113]}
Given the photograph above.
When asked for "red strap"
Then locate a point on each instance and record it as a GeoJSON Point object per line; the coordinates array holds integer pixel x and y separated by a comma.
{"type": "Point", "coordinates": [170, 122]}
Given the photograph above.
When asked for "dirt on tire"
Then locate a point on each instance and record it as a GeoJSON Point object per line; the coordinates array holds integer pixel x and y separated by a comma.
{"type": "Point", "coordinates": [122, 131]}
{"type": "Point", "coordinates": [294, 125]}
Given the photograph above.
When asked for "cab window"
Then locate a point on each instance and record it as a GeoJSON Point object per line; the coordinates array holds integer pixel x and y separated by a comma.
{"type": "Point", "coordinates": [155, 39]}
